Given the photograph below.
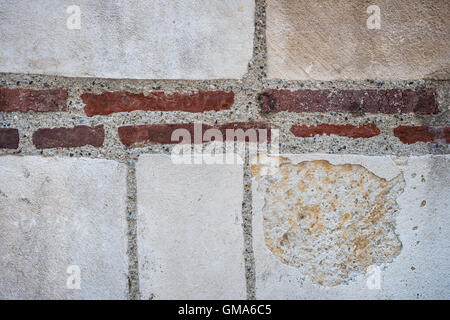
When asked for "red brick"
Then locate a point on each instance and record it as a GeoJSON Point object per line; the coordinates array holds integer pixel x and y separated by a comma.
{"type": "Point", "coordinates": [9, 138]}
{"type": "Point", "coordinates": [69, 137]}
{"type": "Point", "coordinates": [162, 133]}
{"type": "Point", "coordinates": [111, 102]}
{"type": "Point", "coordinates": [24, 100]}
{"type": "Point", "coordinates": [353, 101]}
{"type": "Point", "coordinates": [411, 134]}
{"type": "Point", "coordinates": [365, 131]}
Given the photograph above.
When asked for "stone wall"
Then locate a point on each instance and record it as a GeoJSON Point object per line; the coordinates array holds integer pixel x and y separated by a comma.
{"type": "Point", "coordinates": [352, 97]}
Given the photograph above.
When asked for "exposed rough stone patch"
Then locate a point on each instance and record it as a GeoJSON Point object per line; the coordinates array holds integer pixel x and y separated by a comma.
{"type": "Point", "coordinates": [330, 221]}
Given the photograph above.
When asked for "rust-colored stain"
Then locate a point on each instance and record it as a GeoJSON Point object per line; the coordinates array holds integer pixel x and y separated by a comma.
{"type": "Point", "coordinates": [330, 221]}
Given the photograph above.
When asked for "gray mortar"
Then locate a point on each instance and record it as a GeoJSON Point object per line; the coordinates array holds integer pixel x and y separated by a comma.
{"type": "Point", "coordinates": [246, 108]}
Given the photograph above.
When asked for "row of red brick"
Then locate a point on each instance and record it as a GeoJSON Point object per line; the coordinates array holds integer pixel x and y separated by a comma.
{"type": "Point", "coordinates": [388, 101]}
{"type": "Point", "coordinates": [162, 134]}
{"type": "Point", "coordinates": [355, 101]}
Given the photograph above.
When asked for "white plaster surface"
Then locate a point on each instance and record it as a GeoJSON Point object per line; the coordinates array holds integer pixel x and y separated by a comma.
{"type": "Point", "coordinates": [422, 268]}
{"type": "Point", "coordinates": [190, 236]}
{"type": "Point", "coordinates": [152, 39]}
{"type": "Point", "coordinates": [56, 213]}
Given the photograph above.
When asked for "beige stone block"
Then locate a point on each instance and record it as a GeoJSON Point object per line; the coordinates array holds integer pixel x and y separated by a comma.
{"type": "Point", "coordinates": [329, 39]}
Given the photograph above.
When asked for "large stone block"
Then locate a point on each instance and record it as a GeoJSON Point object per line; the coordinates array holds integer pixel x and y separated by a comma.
{"type": "Point", "coordinates": [58, 216]}
{"type": "Point", "coordinates": [328, 39]}
{"type": "Point", "coordinates": [352, 227]}
{"type": "Point", "coordinates": [190, 236]}
{"type": "Point", "coordinates": [157, 39]}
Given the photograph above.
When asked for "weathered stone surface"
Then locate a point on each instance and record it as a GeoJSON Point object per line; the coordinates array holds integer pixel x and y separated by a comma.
{"type": "Point", "coordinates": [24, 100]}
{"type": "Point", "coordinates": [190, 238]}
{"type": "Point", "coordinates": [326, 40]}
{"type": "Point", "coordinates": [9, 138]}
{"type": "Point", "coordinates": [353, 101]}
{"type": "Point", "coordinates": [323, 222]}
{"type": "Point", "coordinates": [111, 102]}
{"type": "Point", "coordinates": [412, 134]}
{"type": "Point", "coordinates": [56, 213]}
{"type": "Point", "coordinates": [347, 130]}
{"type": "Point", "coordinates": [77, 136]}
{"type": "Point", "coordinates": [160, 39]}
{"type": "Point", "coordinates": [330, 220]}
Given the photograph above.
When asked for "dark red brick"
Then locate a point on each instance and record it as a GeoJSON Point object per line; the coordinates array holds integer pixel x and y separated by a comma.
{"type": "Point", "coordinates": [365, 131]}
{"type": "Point", "coordinates": [9, 138]}
{"type": "Point", "coordinates": [24, 100]}
{"type": "Point", "coordinates": [353, 101]}
{"type": "Point", "coordinates": [69, 137]}
{"type": "Point", "coordinates": [162, 133]}
{"type": "Point", "coordinates": [111, 102]}
{"type": "Point", "coordinates": [411, 134]}
{"type": "Point", "coordinates": [152, 133]}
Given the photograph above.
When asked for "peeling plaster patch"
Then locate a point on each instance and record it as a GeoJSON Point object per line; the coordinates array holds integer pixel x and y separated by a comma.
{"type": "Point", "coordinates": [330, 221]}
